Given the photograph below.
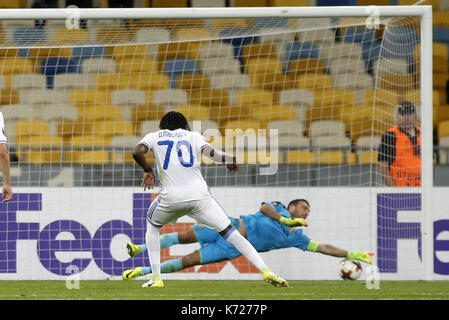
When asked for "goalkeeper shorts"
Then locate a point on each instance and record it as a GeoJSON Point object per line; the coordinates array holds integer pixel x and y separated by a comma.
{"type": "Point", "coordinates": [214, 248]}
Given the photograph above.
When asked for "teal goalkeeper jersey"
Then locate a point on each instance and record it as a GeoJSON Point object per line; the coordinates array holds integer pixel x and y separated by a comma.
{"type": "Point", "coordinates": [267, 234]}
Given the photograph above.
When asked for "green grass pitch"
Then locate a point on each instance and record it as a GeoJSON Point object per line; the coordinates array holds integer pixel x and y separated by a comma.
{"type": "Point", "coordinates": [223, 290]}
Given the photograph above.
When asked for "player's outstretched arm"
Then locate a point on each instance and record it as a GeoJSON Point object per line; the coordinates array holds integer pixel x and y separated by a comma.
{"type": "Point", "coordinates": [222, 157]}
{"type": "Point", "coordinates": [331, 250]}
{"type": "Point", "coordinates": [139, 156]}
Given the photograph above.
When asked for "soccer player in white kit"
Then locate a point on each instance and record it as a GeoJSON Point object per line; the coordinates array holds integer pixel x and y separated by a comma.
{"type": "Point", "coordinates": [4, 162]}
{"type": "Point", "coordinates": [184, 191]}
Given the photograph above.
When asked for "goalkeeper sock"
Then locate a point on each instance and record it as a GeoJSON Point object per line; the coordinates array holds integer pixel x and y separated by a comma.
{"type": "Point", "coordinates": [235, 238]}
{"type": "Point", "coordinates": [146, 270]}
{"type": "Point", "coordinates": [167, 267]}
{"type": "Point", "coordinates": [172, 265]}
{"type": "Point", "coordinates": [169, 239]}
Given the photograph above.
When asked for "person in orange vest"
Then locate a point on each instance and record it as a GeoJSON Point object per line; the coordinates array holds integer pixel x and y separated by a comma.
{"type": "Point", "coordinates": [399, 156]}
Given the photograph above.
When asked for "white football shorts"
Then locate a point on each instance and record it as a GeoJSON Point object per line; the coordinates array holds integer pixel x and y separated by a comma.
{"type": "Point", "coordinates": [206, 211]}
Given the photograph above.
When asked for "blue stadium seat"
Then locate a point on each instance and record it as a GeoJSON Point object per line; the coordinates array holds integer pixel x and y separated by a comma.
{"type": "Point", "coordinates": [301, 50]}
{"type": "Point", "coordinates": [88, 50]}
{"type": "Point", "coordinates": [174, 67]}
{"type": "Point", "coordinates": [238, 37]}
{"type": "Point", "coordinates": [441, 35]}
{"type": "Point", "coordinates": [29, 36]}
{"type": "Point", "coordinates": [359, 35]}
{"type": "Point", "coordinates": [52, 66]}
{"type": "Point", "coordinates": [370, 53]}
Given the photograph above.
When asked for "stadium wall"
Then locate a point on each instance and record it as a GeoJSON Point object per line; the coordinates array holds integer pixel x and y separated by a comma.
{"type": "Point", "coordinates": [57, 233]}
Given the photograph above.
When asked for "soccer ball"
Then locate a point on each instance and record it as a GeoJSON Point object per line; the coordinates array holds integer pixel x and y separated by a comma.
{"type": "Point", "coordinates": [350, 269]}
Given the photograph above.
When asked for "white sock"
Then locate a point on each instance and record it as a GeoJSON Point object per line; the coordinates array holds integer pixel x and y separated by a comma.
{"type": "Point", "coordinates": [243, 245]}
{"type": "Point", "coordinates": [153, 243]}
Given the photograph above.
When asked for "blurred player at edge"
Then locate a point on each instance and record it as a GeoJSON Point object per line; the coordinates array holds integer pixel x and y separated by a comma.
{"type": "Point", "coordinates": [268, 229]}
{"type": "Point", "coordinates": [184, 191]}
{"type": "Point", "coordinates": [4, 162]}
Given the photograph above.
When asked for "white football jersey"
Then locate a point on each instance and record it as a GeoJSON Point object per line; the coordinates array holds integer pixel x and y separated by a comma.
{"type": "Point", "coordinates": [178, 162]}
{"type": "Point", "coordinates": [2, 130]}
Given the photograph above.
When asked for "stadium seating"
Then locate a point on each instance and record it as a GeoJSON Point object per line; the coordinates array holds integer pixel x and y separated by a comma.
{"type": "Point", "coordinates": [443, 129]}
{"type": "Point", "coordinates": [301, 157]}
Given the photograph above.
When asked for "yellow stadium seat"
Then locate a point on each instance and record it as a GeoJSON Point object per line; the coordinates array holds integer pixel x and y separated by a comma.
{"type": "Point", "coordinates": [375, 97]}
{"type": "Point", "coordinates": [254, 97]}
{"type": "Point", "coordinates": [443, 129]}
{"type": "Point", "coordinates": [65, 35]}
{"type": "Point", "coordinates": [332, 157]}
{"type": "Point", "coordinates": [9, 52]}
{"type": "Point", "coordinates": [316, 81]}
{"type": "Point", "coordinates": [137, 64]}
{"type": "Point", "coordinates": [68, 129]}
{"type": "Point", "coordinates": [354, 113]}
{"type": "Point", "coordinates": [269, 113]}
{"type": "Point", "coordinates": [89, 140]}
{"type": "Point", "coordinates": [175, 50]}
{"type": "Point", "coordinates": [194, 112]}
{"type": "Point", "coordinates": [301, 66]}
{"type": "Point", "coordinates": [397, 82]}
{"type": "Point", "coordinates": [287, 3]}
{"type": "Point", "coordinates": [89, 96]}
{"type": "Point", "coordinates": [240, 125]}
{"type": "Point", "coordinates": [258, 51]}
{"type": "Point", "coordinates": [9, 96]}
{"type": "Point", "coordinates": [119, 53]}
{"type": "Point", "coordinates": [274, 82]}
{"type": "Point", "coordinates": [168, 4]}
{"type": "Point", "coordinates": [87, 157]}
{"type": "Point", "coordinates": [351, 157]}
{"type": "Point", "coordinates": [440, 80]}
{"type": "Point", "coordinates": [333, 97]}
{"type": "Point", "coordinates": [42, 152]}
{"type": "Point", "coordinates": [368, 126]}
{"type": "Point", "coordinates": [192, 34]}
{"type": "Point", "coordinates": [263, 65]}
{"type": "Point", "coordinates": [222, 114]}
{"type": "Point", "coordinates": [146, 81]}
{"type": "Point", "coordinates": [190, 81]}
{"type": "Point", "coordinates": [440, 19]}
{"type": "Point", "coordinates": [440, 114]}
{"type": "Point", "coordinates": [43, 50]}
{"type": "Point", "coordinates": [257, 157]}
{"type": "Point", "coordinates": [301, 157]}
{"type": "Point", "coordinates": [209, 97]}
{"type": "Point", "coordinates": [147, 112]}
{"type": "Point", "coordinates": [112, 35]}
{"type": "Point", "coordinates": [323, 113]}
{"type": "Point", "coordinates": [15, 66]}
{"type": "Point", "coordinates": [113, 128]}
{"type": "Point", "coordinates": [27, 128]}
{"type": "Point", "coordinates": [99, 112]}
{"type": "Point", "coordinates": [368, 157]}
{"type": "Point", "coordinates": [126, 157]}
{"type": "Point", "coordinates": [112, 81]}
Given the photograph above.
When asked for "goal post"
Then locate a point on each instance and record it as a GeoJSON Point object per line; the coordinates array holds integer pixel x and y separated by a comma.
{"type": "Point", "coordinates": [302, 95]}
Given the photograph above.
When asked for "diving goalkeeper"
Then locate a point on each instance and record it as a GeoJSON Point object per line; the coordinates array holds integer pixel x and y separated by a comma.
{"type": "Point", "coordinates": [274, 226]}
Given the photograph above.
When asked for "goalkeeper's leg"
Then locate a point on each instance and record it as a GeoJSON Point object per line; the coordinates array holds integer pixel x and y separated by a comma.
{"type": "Point", "coordinates": [167, 240]}
{"type": "Point", "coordinates": [169, 266]}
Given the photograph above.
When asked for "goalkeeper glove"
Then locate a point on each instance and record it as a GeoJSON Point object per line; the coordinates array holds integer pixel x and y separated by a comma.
{"type": "Point", "coordinates": [362, 256]}
{"type": "Point", "coordinates": [293, 222]}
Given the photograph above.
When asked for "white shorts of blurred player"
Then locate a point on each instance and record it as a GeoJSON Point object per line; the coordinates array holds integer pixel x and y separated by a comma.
{"type": "Point", "coordinates": [206, 211]}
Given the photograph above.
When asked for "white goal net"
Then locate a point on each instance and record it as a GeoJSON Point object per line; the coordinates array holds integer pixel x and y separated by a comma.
{"type": "Point", "coordinates": [303, 102]}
